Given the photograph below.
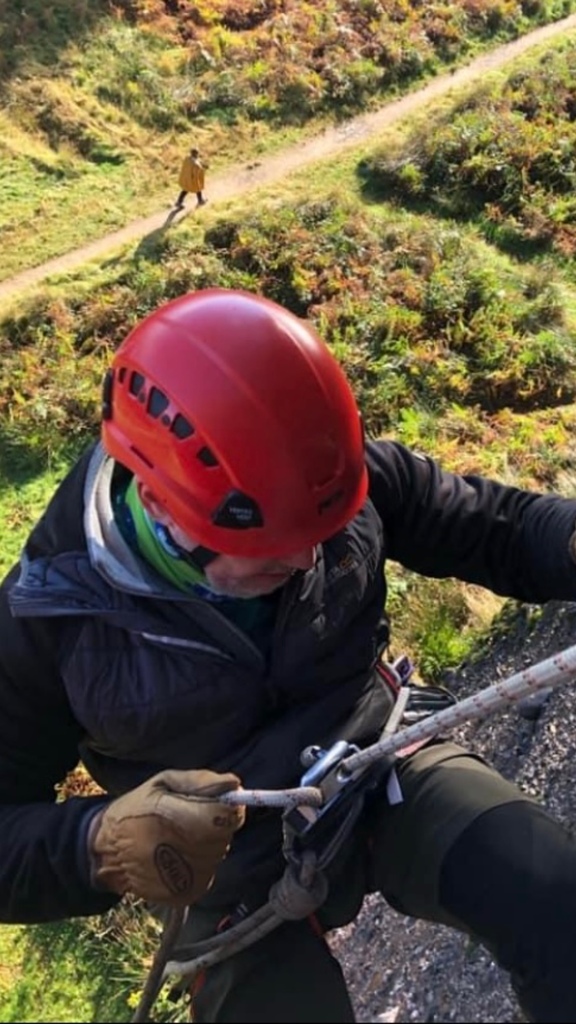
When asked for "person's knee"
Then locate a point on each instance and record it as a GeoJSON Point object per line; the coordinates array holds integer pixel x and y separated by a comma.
{"type": "Point", "coordinates": [445, 788]}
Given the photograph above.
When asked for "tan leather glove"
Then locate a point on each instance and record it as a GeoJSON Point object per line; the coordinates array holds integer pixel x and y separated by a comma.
{"type": "Point", "coordinates": [164, 840]}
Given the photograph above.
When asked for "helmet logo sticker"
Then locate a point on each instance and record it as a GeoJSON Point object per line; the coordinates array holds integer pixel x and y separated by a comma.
{"type": "Point", "coordinates": [238, 512]}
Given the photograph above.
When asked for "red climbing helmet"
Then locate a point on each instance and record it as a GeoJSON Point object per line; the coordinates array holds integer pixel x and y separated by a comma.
{"type": "Point", "coordinates": [240, 420]}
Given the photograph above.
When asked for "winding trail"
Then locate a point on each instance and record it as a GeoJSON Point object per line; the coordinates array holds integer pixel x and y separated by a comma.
{"type": "Point", "coordinates": [327, 144]}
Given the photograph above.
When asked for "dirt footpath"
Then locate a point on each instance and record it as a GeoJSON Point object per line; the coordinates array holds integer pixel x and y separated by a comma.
{"type": "Point", "coordinates": [329, 143]}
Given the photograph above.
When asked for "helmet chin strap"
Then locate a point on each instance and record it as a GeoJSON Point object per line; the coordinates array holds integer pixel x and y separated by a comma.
{"type": "Point", "coordinates": [199, 557]}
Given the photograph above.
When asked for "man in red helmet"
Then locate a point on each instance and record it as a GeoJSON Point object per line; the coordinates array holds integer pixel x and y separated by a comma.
{"type": "Point", "coordinates": [203, 599]}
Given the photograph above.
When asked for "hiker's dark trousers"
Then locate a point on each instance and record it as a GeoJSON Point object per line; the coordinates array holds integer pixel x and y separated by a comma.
{"type": "Point", "coordinates": [465, 848]}
{"type": "Point", "coordinates": [182, 197]}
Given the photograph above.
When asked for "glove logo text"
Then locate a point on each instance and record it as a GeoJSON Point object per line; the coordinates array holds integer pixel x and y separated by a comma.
{"type": "Point", "coordinates": [174, 871]}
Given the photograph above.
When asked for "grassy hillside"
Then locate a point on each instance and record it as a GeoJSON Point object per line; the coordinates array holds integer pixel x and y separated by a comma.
{"type": "Point", "coordinates": [100, 100]}
{"type": "Point", "coordinates": [453, 344]}
{"type": "Point", "coordinates": [454, 341]}
{"type": "Point", "coordinates": [505, 156]}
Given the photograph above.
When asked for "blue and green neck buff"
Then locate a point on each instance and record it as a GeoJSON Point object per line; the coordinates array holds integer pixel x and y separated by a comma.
{"type": "Point", "coordinates": [156, 546]}
{"type": "Point", "coordinates": [153, 542]}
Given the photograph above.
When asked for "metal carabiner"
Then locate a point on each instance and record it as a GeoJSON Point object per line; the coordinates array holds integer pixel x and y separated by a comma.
{"type": "Point", "coordinates": [321, 761]}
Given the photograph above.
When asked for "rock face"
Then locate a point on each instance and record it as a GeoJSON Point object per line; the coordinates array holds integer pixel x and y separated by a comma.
{"type": "Point", "coordinates": [400, 969]}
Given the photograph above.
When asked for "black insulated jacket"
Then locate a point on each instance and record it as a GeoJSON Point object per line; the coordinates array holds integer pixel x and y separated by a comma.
{"type": "Point", "coordinates": [101, 659]}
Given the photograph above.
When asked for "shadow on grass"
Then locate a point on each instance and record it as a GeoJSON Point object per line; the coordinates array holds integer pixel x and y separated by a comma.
{"type": "Point", "coordinates": [503, 237]}
{"type": "Point", "coordinates": [19, 463]}
{"type": "Point", "coordinates": [377, 192]}
{"type": "Point", "coordinates": [39, 32]}
{"type": "Point", "coordinates": [151, 247]}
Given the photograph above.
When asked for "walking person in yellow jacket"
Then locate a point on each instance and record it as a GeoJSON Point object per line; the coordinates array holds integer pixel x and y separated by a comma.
{"type": "Point", "coordinates": [191, 179]}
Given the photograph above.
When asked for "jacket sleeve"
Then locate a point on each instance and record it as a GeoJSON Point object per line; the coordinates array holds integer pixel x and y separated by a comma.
{"type": "Point", "coordinates": [43, 871]}
{"type": "Point", "coordinates": [516, 543]}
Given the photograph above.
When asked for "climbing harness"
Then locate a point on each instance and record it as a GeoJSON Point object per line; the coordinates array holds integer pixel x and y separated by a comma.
{"type": "Point", "coordinates": [320, 814]}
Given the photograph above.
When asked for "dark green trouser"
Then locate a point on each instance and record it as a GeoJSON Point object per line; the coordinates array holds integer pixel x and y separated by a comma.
{"type": "Point", "coordinates": [403, 852]}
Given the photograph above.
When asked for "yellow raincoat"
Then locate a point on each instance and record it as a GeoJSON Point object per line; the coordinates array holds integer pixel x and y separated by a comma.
{"type": "Point", "coordinates": [191, 175]}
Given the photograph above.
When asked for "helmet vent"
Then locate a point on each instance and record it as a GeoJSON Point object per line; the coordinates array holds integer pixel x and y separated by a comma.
{"type": "Point", "coordinates": [207, 457]}
{"type": "Point", "coordinates": [158, 402]}
{"type": "Point", "coordinates": [107, 395]}
{"type": "Point", "coordinates": [330, 500]}
{"type": "Point", "coordinates": [181, 427]}
{"type": "Point", "coordinates": [137, 382]}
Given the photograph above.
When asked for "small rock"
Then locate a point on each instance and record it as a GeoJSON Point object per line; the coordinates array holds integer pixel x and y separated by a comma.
{"type": "Point", "coordinates": [531, 707]}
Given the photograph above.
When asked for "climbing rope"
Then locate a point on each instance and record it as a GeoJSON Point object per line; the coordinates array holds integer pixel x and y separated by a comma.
{"type": "Point", "coordinates": [302, 887]}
